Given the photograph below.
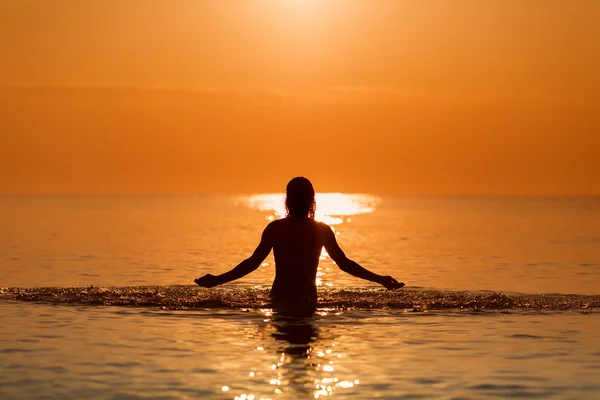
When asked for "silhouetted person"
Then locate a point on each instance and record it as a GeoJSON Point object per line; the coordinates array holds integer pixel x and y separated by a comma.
{"type": "Point", "coordinates": [297, 241]}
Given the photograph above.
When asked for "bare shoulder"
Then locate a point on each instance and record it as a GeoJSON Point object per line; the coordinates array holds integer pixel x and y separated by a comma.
{"type": "Point", "coordinates": [273, 225]}
{"type": "Point", "coordinates": [321, 225]}
{"type": "Point", "coordinates": [323, 228]}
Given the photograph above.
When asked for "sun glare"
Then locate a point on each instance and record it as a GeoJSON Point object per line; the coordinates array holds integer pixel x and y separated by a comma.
{"type": "Point", "coordinates": [302, 21]}
{"type": "Point", "coordinates": [299, 6]}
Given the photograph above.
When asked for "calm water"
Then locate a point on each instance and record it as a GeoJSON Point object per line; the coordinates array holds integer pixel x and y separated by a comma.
{"type": "Point", "coordinates": [502, 300]}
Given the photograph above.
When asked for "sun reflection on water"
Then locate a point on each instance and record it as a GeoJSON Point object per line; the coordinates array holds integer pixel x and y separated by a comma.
{"type": "Point", "coordinates": [304, 362]}
{"type": "Point", "coordinates": [332, 208]}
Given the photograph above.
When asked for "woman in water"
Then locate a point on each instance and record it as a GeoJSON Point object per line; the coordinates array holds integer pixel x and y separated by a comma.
{"type": "Point", "coordinates": [297, 241]}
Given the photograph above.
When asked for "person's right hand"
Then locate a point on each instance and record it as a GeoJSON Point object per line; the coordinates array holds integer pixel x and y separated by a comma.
{"type": "Point", "coordinates": [390, 283]}
{"type": "Point", "coordinates": [207, 281]}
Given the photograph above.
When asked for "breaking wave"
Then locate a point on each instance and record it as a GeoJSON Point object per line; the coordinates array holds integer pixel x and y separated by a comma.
{"type": "Point", "coordinates": [193, 297]}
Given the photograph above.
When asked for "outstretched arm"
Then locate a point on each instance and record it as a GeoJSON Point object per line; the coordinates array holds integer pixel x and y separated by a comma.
{"type": "Point", "coordinates": [352, 267]}
{"type": "Point", "coordinates": [245, 267]}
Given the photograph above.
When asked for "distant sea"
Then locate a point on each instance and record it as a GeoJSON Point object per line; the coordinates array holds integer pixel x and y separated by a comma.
{"type": "Point", "coordinates": [97, 300]}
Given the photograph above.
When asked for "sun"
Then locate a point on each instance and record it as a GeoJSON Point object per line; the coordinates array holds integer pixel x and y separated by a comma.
{"type": "Point", "coordinates": [303, 12]}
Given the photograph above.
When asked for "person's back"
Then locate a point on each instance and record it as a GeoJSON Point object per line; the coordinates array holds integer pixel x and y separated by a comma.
{"type": "Point", "coordinates": [297, 241]}
{"type": "Point", "coordinates": [297, 244]}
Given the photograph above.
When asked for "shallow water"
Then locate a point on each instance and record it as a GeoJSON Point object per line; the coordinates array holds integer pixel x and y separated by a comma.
{"type": "Point", "coordinates": [541, 245]}
{"type": "Point", "coordinates": [346, 298]}
{"type": "Point", "coordinates": [116, 352]}
{"type": "Point", "coordinates": [502, 300]}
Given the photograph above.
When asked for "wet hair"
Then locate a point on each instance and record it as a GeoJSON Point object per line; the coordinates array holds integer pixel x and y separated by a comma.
{"type": "Point", "coordinates": [300, 198]}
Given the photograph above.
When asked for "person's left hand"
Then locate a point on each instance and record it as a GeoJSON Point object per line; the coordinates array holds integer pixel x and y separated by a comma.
{"type": "Point", "coordinates": [390, 283]}
{"type": "Point", "coordinates": [207, 281]}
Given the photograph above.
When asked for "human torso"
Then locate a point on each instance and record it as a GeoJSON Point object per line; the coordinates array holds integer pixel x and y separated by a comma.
{"type": "Point", "coordinates": [297, 248]}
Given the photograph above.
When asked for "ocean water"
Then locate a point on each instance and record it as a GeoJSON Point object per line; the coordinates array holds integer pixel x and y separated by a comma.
{"type": "Point", "coordinates": [97, 301]}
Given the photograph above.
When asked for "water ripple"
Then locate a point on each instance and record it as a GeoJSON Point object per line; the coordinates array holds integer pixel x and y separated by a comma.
{"type": "Point", "coordinates": [409, 299]}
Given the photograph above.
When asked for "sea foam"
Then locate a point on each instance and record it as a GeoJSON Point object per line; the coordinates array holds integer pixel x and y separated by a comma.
{"type": "Point", "coordinates": [410, 299]}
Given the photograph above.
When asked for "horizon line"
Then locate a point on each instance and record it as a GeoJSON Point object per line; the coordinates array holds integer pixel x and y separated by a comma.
{"type": "Point", "coordinates": [236, 194]}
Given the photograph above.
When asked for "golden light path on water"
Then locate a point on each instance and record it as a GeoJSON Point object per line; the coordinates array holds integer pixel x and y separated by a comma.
{"type": "Point", "coordinates": [332, 209]}
{"type": "Point", "coordinates": [304, 353]}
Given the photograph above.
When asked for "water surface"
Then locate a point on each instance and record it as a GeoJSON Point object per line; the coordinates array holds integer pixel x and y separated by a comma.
{"type": "Point", "coordinates": [502, 300]}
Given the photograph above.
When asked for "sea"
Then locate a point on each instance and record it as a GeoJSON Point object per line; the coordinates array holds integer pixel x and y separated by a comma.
{"type": "Point", "coordinates": [97, 300]}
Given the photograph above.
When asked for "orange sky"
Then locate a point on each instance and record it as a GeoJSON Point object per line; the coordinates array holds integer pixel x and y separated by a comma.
{"type": "Point", "coordinates": [407, 97]}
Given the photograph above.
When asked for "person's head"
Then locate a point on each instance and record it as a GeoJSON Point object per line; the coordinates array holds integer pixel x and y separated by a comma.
{"type": "Point", "coordinates": [300, 198]}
